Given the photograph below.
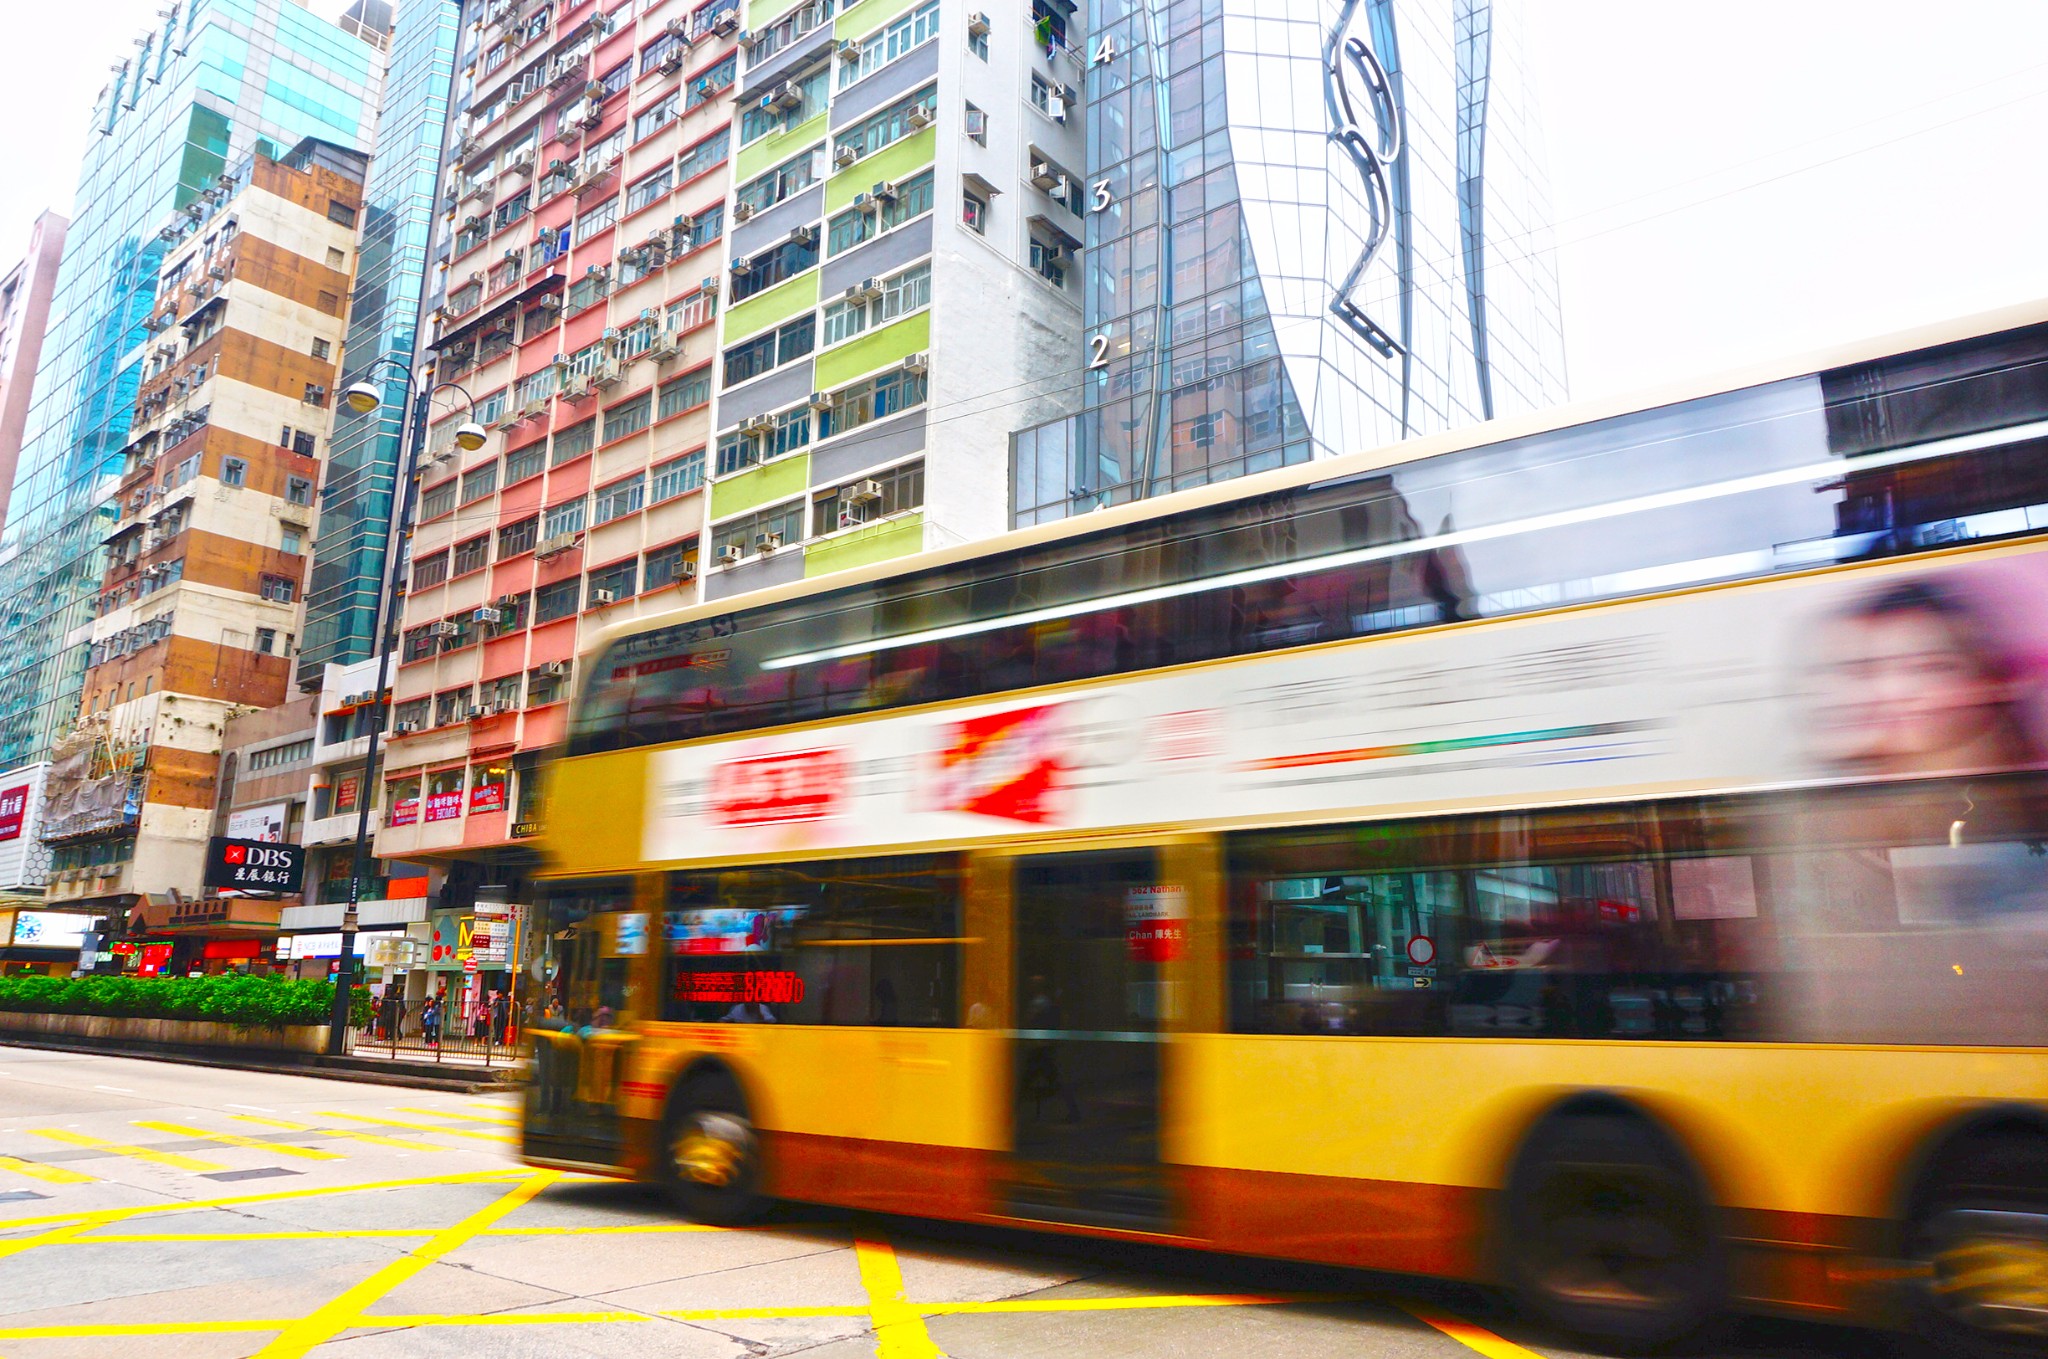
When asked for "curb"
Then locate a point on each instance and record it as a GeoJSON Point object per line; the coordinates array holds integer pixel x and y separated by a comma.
{"type": "Point", "coordinates": [360, 1070]}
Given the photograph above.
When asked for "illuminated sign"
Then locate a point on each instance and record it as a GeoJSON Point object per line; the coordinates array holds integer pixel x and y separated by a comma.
{"type": "Point", "coordinates": [736, 988]}
{"type": "Point", "coordinates": [13, 811]}
{"type": "Point", "coordinates": [254, 865]}
{"type": "Point", "coordinates": [50, 929]}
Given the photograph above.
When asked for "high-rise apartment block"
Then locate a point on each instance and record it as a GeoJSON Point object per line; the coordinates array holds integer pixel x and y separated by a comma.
{"type": "Point", "coordinates": [25, 292]}
{"type": "Point", "coordinates": [213, 515]}
{"type": "Point", "coordinates": [212, 84]}
{"type": "Point", "coordinates": [1312, 228]}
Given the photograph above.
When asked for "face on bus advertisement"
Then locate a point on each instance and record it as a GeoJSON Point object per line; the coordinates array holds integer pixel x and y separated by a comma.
{"type": "Point", "coordinates": [1933, 673]}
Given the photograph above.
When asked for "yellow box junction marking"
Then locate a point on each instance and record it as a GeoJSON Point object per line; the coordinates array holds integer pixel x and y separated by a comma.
{"type": "Point", "coordinates": [899, 1329]}
{"type": "Point", "coordinates": [1471, 1337]}
{"type": "Point", "coordinates": [47, 1174]}
{"type": "Point", "coordinates": [338, 1132]}
{"type": "Point", "coordinates": [302, 1336]}
{"type": "Point", "coordinates": [269, 1196]}
{"type": "Point", "coordinates": [237, 1140]}
{"type": "Point", "coordinates": [161, 1158]}
{"type": "Point", "coordinates": [508, 1121]}
{"type": "Point", "coordinates": [419, 1127]}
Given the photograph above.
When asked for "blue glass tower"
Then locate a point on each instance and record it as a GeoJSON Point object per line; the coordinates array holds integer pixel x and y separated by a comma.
{"type": "Point", "coordinates": [349, 556]}
{"type": "Point", "coordinates": [217, 80]}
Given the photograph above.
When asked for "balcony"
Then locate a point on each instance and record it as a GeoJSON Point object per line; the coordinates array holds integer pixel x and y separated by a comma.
{"type": "Point", "coordinates": [340, 828]}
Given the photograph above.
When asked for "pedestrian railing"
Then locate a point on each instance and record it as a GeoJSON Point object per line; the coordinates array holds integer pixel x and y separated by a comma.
{"type": "Point", "coordinates": [405, 1042]}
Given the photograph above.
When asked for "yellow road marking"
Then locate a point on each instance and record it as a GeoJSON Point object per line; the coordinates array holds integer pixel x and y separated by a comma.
{"type": "Point", "coordinates": [1470, 1336]}
{"type": "Point", "coordinates": [237, 1140]}
{"type": "Point", "coordinates": [338, 1132]}
{"type": "Point", "coordinates": [48, 1174]}
{"type": "Point", "coordinates": [419, 1127]}
{"type": "Point", "coordinates": [899, 1330]}
{"type": "Point", "coordinates": [162, 1158]}
{"type": "Point", "coordinates": [385, 1233]}
{"type": "Point", "coordinates": [449, 1113]}
{"type": "Point", "coordinates": [269, 1196]}
{"type": "Point", "coordinates": [1142, 1302]}
{"type": "Point", "coordinates": [302, 1336]}
{"type": "Point", "coordinates": [54, 1237]}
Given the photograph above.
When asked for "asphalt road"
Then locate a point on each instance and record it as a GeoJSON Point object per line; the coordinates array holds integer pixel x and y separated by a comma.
{"type": "Point", "coordinates": [153, 1209]}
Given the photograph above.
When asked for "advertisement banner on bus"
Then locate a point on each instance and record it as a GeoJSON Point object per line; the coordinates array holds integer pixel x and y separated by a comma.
{"type": "Point", "coordinates": [1890, 671]}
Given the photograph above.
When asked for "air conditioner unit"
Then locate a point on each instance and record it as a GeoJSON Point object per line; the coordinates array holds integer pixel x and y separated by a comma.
{"type": "Point", "coordinates": [672, 61]}
{"type": "Point", "coordinates": [977, 23]}
{"type": "Point", "coordinates": [869, 288]}
{"type": "Point", "coordinates": [405, 728]}
{"type": "Point", "coordinates": [667, 344]}
{"type": "Point", "coordinates": [919, 118]}
{"type": "Point", "coordinates": [849, 51]}
{"type": "Point", "coordinates": [730, 554]}
{"type": "Point", "coordinates": [594, 90]}
{"type": "Point", "coordinates": [536, 407]}
{"type": "Point", "coordinates": [1043, 175]}
{"type": "Point", "coordinates": [487, 710]}
{"type": "Point", "coordinates": [520, 159]}
{"type": "Point", "coordinates": [601, 598]}
{"type": "Point", "coordinates": [766, 543]}
{"type": "Point", "coordinates": [783, 98]}
{"type": "Point", "coordinates": [884, 192]}
{"type": "Point", "coordinates": [862, 492]}
{"type": "Point", "coordinates": [917, 365]}
{"type": "Point", "coordinates": [555, 669]}
{"type": "Point", "coordinates": [514, 256]}
{"type": "Point", "coordinates": [758, 424]}
{"type": "Point", "coordinates": [685, 573]}
{"type": "Point", "coordinates": [444, 628]}
{"type": "Point", "coordinates": [678, 29]}
{"type": "Point", "coordinates": [823, 401]}
{"type": "Point", "coordinates": [845, 156]}
{"type": "Point", "coordinates": [555, 546]}
{"type": "Point", "coordinates": [576, 388]}
{"type": "Point", "coordinates": [487, 615]}
{"type": "Point", "coordinates": [803, 236]}
{"type": "Point", "coordinates": [742, 212]}
{"type": "Point", "coordinates": [726, 24]}
{"type": "Point", "coordinates": [607, 374]}
{"type": "Point", "coordinates": [709, 286]}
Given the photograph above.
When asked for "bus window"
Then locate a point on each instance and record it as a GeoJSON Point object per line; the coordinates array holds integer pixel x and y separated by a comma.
{"type": "Point", "coordinates": [590, 972]}
{"type": "Point", "coordinates": [858, 941]}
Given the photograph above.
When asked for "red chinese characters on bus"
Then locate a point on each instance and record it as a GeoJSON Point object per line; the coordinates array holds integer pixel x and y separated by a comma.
{"type": "Point", "coordinates": [737, 988]}
{"type": "Point", "coordinates": [771, 790]}
{"type": "Point", "coordinates": [1007, 764]}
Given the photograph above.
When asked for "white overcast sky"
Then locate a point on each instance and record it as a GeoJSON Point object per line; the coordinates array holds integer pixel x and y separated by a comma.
{"type": "Point", "coordinates": [1731, 182]}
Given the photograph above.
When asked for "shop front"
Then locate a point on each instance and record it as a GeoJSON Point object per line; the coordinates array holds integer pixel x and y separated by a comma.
{"type": "Point", "coordinates": [42, 942]}
{"type": "Point", "coordinates": [216, 934]}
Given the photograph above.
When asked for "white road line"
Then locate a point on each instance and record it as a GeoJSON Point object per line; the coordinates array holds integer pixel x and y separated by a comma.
{"type": "Point", "coordinates": [115, 1088]}
{"type": "Point", "coordinates": [257, 1107]}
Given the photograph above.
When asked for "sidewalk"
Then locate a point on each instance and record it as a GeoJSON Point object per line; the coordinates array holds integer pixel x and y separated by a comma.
{"type": "Point", "coordinates": [458, 1073]}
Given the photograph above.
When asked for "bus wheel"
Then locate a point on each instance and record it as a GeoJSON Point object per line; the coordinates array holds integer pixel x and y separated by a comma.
{"type": "Point", "coordinates": [711, 1156]}
{"type": "Point", "coordinates": [1607, 1231]}
{"type": "Point", "coordinates": [1979, 1229]}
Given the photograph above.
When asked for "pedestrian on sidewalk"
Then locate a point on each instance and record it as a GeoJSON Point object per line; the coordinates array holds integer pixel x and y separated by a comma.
{"type": "Point", "coordinates": [430, 1021]}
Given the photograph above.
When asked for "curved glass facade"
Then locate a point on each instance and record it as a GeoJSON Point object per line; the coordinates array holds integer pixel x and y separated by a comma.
{"type": "Point", "coordinates": [1313, 227]}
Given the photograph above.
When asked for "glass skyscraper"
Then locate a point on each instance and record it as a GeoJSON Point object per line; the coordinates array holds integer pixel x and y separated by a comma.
{"type": "Point", "coordinates": [349, 555]}
{"type": "Point", "coordinates": [1313, 226]}
{"type": "Point", "coordinates": [217, 80]}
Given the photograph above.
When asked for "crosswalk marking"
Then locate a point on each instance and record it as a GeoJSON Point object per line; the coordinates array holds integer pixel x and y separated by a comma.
{"type": "Point", "coordinates": [459, 1117]}
{"type": "Point", "coordinates": [337, 1132]}
{"type": "Point", "coordinates": [237, 1140]}
{"type": "Point", "coordinates": [162, 1158]}
{"type": "Point", "coordinates": [418, 1127]}
{"type": "Point", "coordinates": [47, 1174]}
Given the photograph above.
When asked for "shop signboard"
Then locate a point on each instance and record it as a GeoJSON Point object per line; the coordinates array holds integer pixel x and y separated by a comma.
{"type": "Point", "coordinates": [254, 865]}
{"type": "Point", "coordinates": [259, 823]}
{"type": "Point", "coordinates": [13, 811]}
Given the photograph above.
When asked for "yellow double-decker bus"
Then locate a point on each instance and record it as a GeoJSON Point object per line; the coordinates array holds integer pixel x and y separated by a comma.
{"type": "Point", "coordinates": [1607, 859]}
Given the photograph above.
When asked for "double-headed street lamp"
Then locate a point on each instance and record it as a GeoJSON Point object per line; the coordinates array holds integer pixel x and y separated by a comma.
{"type": "Point", "coordinates": [365, 398]}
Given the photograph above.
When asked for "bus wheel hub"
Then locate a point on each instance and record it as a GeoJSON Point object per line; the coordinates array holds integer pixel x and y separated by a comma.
{"type": "Point", "coordinates": [1992, 1270]}
{"type": "Point", "coordinates": [712, 1149]}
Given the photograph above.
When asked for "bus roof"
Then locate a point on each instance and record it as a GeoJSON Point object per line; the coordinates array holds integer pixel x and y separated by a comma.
{"type": "Point", "coordinates": [1502, 430]}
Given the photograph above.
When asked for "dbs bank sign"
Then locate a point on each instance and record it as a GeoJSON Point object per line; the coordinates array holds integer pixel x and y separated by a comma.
{"type": "Point", "coordinates": [254, 865]}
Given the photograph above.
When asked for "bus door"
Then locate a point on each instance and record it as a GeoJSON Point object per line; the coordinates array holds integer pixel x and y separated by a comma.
{"type": "Point", "coordinates": [1094, 935]}
{"type": "Point", "coordinates": [584, 1028]}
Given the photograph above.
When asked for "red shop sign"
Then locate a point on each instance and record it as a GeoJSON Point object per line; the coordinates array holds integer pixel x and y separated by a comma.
{"type": "Point", "coordinates": [487, 797]}
{"type": "Point", "coordinates": [13, 811]}
{"type": "Point", "coordinates": [443, 806]}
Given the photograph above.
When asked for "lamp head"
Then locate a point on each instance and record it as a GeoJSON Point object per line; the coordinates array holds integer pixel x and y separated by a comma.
{"type": "Point", "coordinates": [362, 398]}
{"type": "Point", "coordinates": [470, 436]}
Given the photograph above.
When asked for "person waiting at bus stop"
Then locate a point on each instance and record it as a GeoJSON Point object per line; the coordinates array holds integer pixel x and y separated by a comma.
{"type": "Point", "coordinates": [430, 1020]}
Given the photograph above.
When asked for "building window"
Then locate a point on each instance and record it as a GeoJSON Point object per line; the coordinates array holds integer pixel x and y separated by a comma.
{"type": "Point", "coordinates": [1048, 261]}
{"type": "Point", "coordinates": [850, 228]}
{"type": "Point", "coordinates": [1041, 93]}
{"type": "Point", "coordinates": [760, 119]}
{"type": "Point", "coordinates": [900, 294]}
{"type": "Point", "coordinates": [786, 344]}
{"type": "Point", "coordinates": [704, 156]}
{"type": "Point", "coordinates": [316, 394]}
{"type": "Point", "coordinates": [844, 320]}
{"type": "Point", "coordinates": [563, 519]}
{"type": "Point", "coordinates": [628, 417]}
{"type": "Point", "coordinates": [279, 589]}
{"type": "Point", "coordinates": [766, 41]}
{"type": "Point", "coordinates": [430, 571]}
{"type": "Point", "coordinates": [678, 476]}
{"type": "Point", "coordinates": [522, 463]}
{"type": "Point", "coordinates": [646, 190]}
{"type": "Point", "coordinates": [438, 501]}
{"type": "Point", "coordinates": [977, 43]}
{"type": "Point", "coordinates": [321, 349]}
{"type": "Point", "coordinates": [876, 398]}
{"type": "Point", "coordinates": [651, 121]}
{"type": "Point", "coordinates": [479, 482]}
{"type": "Point", "coordinates": [786, 180]}
{"type": "Point", "coordinates": [620, 581]}
{"type": "Point", "coordinates": [779, 262]}
{"type": "Point", "coordinates": [514, 539]}
{"type": "Point", "coordinates": [713, 82]}
{"type": "Point", "coordinates": [266, 644]}
{"type": "Point", "coordinates": [892, 124]}
{"type": "Point", "coordinates": [780, 526]}
{"type": "Point", "coordinates": [472, 554]}
{"type": "Point", "coordinates": [556, 601]}
{"type": "Point", "coordinates": [234, 472]}
{"type": "Point", "coordinates": [597, 219]}
{"type": "Point", "coordinates": [868, 498]}
{"type": "Point", "coordinates": [974, 212]}
{"type": "Point", "coordinates": [544, 686]}
{"type": "Point", "coordinates": [668, 565]}
{"type": "Point", "coordinates": [687, 392]}
{"type": "Point", "coordinates": [449, 708]}
{"type": "Point", "coordinates": [618, 499]}
{"type": "Point", "coordinates": [976, 123]}
{"type": "Point", "coordinates": [290, 541]}
{"type": "Point", "coordinates": [880, 48]}
{"type": "Point", "coordinates": [574, 441]}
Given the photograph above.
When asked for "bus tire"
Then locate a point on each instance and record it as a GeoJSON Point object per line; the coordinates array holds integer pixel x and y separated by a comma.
{"type": "Point", "coordinates": [1978, 1230]}
{"type": "Point", "coordinates": [710, 1155]}
{"type": "Point", "coordinates": [1607, 1231]}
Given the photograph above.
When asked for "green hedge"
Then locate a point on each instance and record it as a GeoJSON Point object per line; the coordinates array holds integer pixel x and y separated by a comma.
{"type": "Point", "coordinates": [240, 1000]}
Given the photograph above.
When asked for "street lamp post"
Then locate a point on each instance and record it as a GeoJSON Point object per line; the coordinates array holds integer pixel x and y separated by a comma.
{"type": "Point", "coordinates": [364, 398]}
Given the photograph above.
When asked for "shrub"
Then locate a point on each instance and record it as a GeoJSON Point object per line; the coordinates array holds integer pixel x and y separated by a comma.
{"type": "Point", "coordinates": [232, 999]}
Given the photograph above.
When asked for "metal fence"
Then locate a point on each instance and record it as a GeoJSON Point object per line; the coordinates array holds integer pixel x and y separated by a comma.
{"type": "Point", "coordinates": [457, 1039]}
